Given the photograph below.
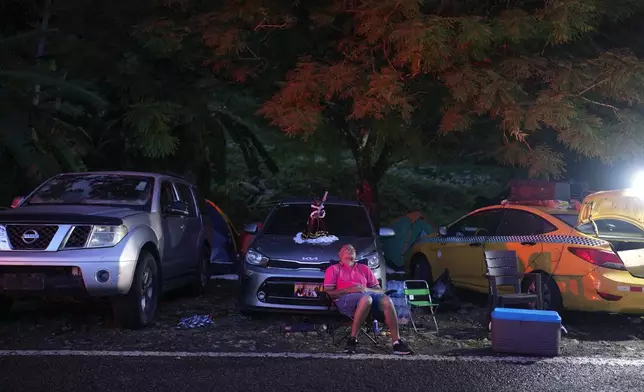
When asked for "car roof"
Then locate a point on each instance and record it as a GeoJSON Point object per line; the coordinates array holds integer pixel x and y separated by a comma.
{"type": "Point", "coordinates": [156, 176]}
{"type": "Point", "coordinates": [329, 200]}
{"type": "Point", "coordinates": [547, 210]}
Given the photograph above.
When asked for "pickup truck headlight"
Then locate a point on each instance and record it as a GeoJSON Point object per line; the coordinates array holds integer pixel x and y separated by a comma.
{"type": "Point", "coordinates": [105, 236]}
{"type": "Point", "coordinates": [373, 260]}
{"type": "Point", "coordinates": [256, 258]}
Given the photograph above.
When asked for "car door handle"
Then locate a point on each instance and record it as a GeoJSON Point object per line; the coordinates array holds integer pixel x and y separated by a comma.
{"type": "Point", "coordinates": [475, 244]}
{"type": "Point", "coordinates": [529, 243]}
{"type": "Point", "coordinates": [183, 227]}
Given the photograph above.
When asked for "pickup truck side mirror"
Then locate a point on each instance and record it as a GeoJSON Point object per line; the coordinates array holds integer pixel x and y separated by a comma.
{"type": "Point", "coordinates": [17, 201]}
{"type": "Point", "coordinates": [442, 231]}
{"type": "Point", "coordinates": [251, 228]}
{"type": "Point", "coordinates": [177, 208]}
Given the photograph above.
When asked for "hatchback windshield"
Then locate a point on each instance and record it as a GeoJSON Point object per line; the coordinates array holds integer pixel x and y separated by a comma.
{"type": "Point", "coordinates": [340, 220]}
{"type": "Point", "coordinates": [103, 189]}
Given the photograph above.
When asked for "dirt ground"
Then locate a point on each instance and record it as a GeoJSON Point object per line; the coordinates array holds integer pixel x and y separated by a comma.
{"type": "Point", "coordinates": [59, 325]}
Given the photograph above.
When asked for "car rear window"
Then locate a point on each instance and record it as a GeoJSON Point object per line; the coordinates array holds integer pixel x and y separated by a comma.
{"type": "Point", "coordinates": [612, 228]}
{"type": "Point", "coordinates": [340, 220]}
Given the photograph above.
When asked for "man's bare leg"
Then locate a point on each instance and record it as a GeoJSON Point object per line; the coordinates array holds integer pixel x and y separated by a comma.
{"type": "Point", "coordinates": [391, 319]}
{"type": "Point", "coordinates": [359, 317]}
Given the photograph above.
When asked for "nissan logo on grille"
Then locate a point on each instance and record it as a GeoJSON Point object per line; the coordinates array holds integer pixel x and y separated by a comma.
{"type": "Point", "coordinates": [30, 236]}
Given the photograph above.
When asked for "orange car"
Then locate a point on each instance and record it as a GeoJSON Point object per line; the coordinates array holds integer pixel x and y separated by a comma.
{"type": "Point", "coordinates": [580, 269]}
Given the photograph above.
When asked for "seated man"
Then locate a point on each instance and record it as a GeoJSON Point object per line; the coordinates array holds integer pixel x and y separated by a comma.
{"type": "Point", "coordinates": [356, 292]}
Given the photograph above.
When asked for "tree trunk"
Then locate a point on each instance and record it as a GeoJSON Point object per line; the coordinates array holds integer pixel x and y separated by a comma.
{"type": "Point", "coordinates": [367, 193]}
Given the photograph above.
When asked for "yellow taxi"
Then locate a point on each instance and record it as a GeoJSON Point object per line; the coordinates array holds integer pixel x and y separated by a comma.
{"type": "Point", "coordinates": [591, 256]}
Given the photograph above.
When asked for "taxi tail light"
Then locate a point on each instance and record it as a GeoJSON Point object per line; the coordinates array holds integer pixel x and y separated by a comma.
{"type": "Point", "coordinates": [600, 258]}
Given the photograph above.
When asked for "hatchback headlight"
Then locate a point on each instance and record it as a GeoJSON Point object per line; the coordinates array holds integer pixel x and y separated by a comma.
{"type": "Point", "coordinates": [373, 260]}
{"type": "Point", "coordinates": [256, 258]}
{"type": "Point", "coordinates": [105, 236]}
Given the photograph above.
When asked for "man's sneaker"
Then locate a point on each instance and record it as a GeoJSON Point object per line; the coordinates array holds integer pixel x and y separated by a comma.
{"type": "Point", "coordinates": [401, 348]}
{"type": "Point", "coordinates": [352, 344]}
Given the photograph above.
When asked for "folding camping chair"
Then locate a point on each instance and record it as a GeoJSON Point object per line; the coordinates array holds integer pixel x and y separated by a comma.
{"type": "Point", "coordinates": [418, 295]}
{"type": "Point", "coordinates": [366, 330]}
{"type": "Point", "coordinates": [503, 270]}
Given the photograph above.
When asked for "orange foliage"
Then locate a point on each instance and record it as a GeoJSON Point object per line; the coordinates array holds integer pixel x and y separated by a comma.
{"type": "Point", "coordinates": [383, 46]}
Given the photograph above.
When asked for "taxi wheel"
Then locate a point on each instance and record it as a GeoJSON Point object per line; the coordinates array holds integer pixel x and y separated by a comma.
{"type": "Point", "coordinates": [550, 291]}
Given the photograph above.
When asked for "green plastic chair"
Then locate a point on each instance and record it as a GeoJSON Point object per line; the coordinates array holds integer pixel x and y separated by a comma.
{"type": "Point", "coordinates": [418, 295]}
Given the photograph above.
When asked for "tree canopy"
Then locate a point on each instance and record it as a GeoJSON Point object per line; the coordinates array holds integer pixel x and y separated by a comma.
{"type": "Point", "coordinates": [518, 73]}
{"type": "Point", "coordinates": [168, 84]}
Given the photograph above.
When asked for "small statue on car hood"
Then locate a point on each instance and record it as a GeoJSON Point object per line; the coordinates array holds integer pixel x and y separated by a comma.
{"type": "Point", "coordinates": [315, 232]}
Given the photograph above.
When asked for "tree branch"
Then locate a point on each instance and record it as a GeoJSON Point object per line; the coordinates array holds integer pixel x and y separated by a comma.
{"type": "Point", "coordinates": [593, 86]}
{"type": "Point", "coordinates": [614, 109]}
{"type": "Point", "coordinates": [288, 22]}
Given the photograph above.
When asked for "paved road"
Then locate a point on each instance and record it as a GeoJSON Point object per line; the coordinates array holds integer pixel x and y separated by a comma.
{"type": "Point", "coordinates": [169, 373]}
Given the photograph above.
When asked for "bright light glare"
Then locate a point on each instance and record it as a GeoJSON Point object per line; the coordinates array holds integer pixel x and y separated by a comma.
{"type": "Point", "coordinates": [637, 182]}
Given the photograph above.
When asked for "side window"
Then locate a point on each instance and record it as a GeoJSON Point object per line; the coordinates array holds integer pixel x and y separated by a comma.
{"type": "Point", "coordinates": [612, 227]}
{"type": "Point", "coordinates": [185, 194]}
{"type": "Point", "coordinates": [517, 222]}
{"type": "Point", "coordinates": [167, 194]}
{"type": "Point", "coordinates": [481, 223]}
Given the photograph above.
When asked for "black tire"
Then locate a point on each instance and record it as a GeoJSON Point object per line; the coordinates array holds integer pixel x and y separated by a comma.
{"type": "Point", "coordinates": [420, 269]}
{"type": "Point", "coordinates": [6, 303]}
{"type": "Point", "coordinates": [202, 276]}
{"type": "Point", "coordinates": [551, 295]}
{"type": "Point", "coordinates": [131, 310]}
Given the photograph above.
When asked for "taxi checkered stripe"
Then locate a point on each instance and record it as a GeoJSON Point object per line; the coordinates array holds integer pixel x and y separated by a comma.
{"type": "Point", "coordinates": [552, 239]}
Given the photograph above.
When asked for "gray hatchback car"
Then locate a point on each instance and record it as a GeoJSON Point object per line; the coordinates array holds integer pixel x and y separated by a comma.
{"type": "Point", "coordinates": [280, 274]}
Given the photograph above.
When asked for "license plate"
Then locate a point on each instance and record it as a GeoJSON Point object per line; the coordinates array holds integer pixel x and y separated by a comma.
{"type": "Point", "coordinates": [307, 290]}
{"type": "Point", "coordinates": [23, 282]}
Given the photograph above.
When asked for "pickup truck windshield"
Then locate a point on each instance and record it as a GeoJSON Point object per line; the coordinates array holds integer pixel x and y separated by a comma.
{"type": "Point", "coordinates": [100, 189]}
{"type": "Point", "coordinates": [340, 220]}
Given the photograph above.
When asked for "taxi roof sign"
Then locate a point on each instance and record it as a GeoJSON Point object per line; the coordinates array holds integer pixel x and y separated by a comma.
{"type": "Point", "coordinates": [535, 190]}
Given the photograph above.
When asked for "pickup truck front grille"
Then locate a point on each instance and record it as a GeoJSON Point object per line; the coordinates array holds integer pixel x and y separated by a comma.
{"type": "Point", "coordinates": [30, 237]}
{"type": "Point", "coordinates": [78, 237]}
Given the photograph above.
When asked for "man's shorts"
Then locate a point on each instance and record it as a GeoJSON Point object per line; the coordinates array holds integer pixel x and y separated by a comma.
{"type": "Point", "coordinates": [348, 303]}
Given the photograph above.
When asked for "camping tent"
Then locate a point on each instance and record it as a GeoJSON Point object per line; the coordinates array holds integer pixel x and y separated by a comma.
{"type": "Point", "coordinates": [225, 238]}
{"type": "Point", "coordinates": [408, 229]}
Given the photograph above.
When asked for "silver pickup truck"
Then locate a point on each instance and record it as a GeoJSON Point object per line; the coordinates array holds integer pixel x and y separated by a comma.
{"type": "Point", "coordinates": [128, 236]}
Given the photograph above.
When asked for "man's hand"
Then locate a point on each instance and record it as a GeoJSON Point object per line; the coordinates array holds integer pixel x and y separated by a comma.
{"type": "Point", "coordinates": [375, 289]}
{"type": "Point", "coordinates": [357, 289]}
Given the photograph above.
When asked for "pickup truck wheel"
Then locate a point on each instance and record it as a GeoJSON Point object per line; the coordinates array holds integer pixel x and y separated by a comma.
{"type": "Point", "coordinates": [137, 308]}
{"type": "Point", "coordinates": [6, 303]}
{"type": "Point", "coordinates": [202, 277]}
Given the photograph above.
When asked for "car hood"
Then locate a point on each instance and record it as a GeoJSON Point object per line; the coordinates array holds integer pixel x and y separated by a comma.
{"type": "Point", "coordinates": [626, 205]}
{"type": "Point", "coordinates": [284, 247]}
{"type": "Point", "coordinates": [67, 214]}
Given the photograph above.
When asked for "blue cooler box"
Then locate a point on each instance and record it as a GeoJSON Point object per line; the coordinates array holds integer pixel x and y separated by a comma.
{"type": "Point", "coordinates": [528, 332]}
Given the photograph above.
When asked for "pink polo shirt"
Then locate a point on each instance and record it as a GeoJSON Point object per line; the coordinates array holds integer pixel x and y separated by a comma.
{"type": "Point", "coordinates": [339, 276]}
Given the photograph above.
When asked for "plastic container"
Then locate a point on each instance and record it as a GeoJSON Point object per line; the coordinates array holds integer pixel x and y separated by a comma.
{"type": "Point", "coordinates": [527, 332]}
{"type": "Point", "coordinates": [398, 298]}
